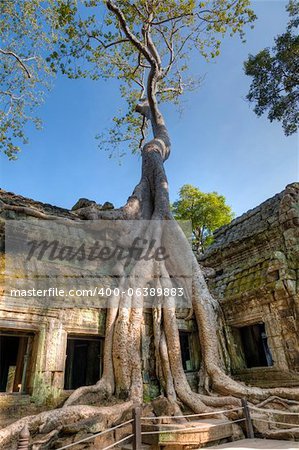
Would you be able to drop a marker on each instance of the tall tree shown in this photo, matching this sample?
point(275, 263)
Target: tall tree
point(206, 211)
point(146, 43)
point(275, 81)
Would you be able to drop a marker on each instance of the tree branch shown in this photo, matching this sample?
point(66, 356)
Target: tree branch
point(142, 130)
point(133, 39)
point(169, 45)
point(181, 16)
point(11, 95)
point(149, 51)
point(154, 72)
point(120, 41)
point(18, 59)
point(146, 31)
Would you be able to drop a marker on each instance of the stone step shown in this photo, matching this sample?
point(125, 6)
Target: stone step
point(14, 399)
point(207, 430)
point(267, 377)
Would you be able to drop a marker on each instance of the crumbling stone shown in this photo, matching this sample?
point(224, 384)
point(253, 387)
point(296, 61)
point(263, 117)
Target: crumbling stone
point(256, 264)
point(83, 203)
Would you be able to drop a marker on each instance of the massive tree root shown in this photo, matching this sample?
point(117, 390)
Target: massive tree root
point(57, 419)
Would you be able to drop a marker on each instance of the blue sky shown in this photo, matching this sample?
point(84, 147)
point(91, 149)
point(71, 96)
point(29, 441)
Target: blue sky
point(218, 144)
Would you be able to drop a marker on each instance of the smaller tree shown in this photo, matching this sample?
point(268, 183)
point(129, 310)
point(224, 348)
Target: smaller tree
point(275, 76)
point(206, 211)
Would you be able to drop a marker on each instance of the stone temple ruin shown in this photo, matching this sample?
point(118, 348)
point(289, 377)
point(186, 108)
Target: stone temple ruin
point(256, 279)
point(252, 268)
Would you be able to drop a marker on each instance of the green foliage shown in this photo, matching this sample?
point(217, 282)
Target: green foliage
point(85, 39)
point(94, 45)
point(275, 76)
point(25, 35)
point(206, 211)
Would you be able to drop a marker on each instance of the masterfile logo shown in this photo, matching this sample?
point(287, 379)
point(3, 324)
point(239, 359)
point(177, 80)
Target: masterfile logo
point(96, 263)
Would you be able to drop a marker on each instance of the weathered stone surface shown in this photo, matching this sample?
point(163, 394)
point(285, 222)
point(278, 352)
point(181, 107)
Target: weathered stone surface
point(18, 200)
point(107, 205)
point(256, 265)
point(83, 203)
point(198, 433)
point(49, 327)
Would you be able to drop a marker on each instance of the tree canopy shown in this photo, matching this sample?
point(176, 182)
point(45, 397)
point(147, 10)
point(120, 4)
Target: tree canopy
point(275, 81)
point(27, 34)
point(206, 211)
point(127, 39)
point(106, 39)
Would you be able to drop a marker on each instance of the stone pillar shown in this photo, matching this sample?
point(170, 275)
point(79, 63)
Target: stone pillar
point(51, 355)
point(275, 340)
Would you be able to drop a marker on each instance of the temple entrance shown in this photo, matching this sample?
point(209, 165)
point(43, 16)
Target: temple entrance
point(189, 351)
point(14, 361)
point(83, 361)
point(255, 345)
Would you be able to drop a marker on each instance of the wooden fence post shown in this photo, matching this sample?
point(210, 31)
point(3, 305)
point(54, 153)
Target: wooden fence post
point(137, 428)
point(24, 438)
point(248, 422)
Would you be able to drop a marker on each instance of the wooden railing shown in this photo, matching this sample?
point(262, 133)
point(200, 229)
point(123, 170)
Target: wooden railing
point(136, 435)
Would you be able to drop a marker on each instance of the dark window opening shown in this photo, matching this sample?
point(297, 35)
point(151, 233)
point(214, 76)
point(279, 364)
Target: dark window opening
point(15, 350)
point(189, 351)
point(83, 361)
point(256, 350)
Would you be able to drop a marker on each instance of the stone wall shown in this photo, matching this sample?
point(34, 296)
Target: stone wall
point(48, 326)
point(50, 323)
point(256, 279)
